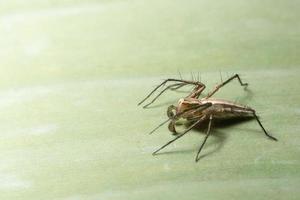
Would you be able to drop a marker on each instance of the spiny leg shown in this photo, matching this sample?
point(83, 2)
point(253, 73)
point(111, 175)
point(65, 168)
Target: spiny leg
point(160, 85)
point(260, 124)
point(207, 134)
point(185, 132)
point(224, 83)
point(183, 82)
point(171, 87)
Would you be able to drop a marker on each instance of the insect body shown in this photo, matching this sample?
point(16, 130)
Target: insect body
point(195, 111)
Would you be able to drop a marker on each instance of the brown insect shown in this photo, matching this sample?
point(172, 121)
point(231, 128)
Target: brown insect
point(195, 111)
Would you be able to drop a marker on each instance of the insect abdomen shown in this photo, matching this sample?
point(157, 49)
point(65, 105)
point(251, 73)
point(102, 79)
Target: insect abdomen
point(225, 109)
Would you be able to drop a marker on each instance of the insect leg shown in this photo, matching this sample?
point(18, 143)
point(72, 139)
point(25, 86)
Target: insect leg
point(224, 83)
point(196, 91)
point(204, 141)
point(171, 87)
point(185, 132)
point(160, 125)
point(260, 124)
point(175, 86)
point(178, 115)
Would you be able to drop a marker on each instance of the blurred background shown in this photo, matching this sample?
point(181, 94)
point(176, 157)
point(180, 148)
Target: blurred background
point(73, 71)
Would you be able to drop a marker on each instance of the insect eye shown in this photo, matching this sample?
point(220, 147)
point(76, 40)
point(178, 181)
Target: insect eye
point(171, 112)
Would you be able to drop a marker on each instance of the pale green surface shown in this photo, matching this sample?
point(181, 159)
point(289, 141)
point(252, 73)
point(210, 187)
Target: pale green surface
point(73, 71)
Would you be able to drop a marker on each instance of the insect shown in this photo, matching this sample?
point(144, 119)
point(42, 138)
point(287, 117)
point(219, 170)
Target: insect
point(195, 110)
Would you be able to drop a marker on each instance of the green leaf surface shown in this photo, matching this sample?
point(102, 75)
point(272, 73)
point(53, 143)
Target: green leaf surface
point(73, 71)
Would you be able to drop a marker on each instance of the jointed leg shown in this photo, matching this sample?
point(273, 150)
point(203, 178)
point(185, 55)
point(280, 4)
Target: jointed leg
point(207, 134)
point(160, 125)
point(196, 91)
point(185, 132)
point(260, 124)
point(171, 87)
point(176, 88)
point(224, 83)
point(180, 83)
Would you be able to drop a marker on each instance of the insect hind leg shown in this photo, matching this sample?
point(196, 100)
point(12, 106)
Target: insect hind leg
point(262, 127)
point(236, 76)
